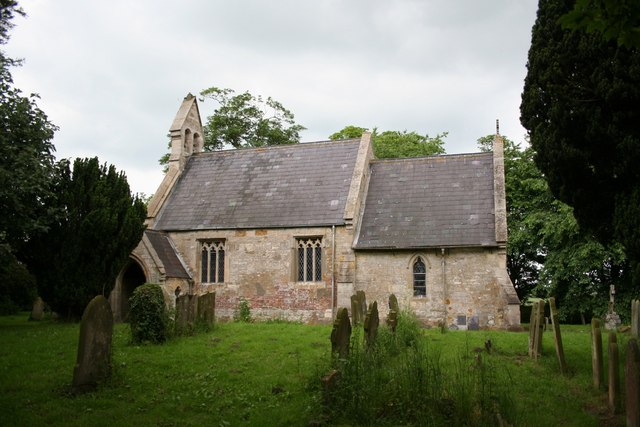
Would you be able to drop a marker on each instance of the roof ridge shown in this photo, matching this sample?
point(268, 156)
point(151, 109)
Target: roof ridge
point(280, 146)
point(434, 156)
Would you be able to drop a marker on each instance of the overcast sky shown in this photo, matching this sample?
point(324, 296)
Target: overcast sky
point(112, 74)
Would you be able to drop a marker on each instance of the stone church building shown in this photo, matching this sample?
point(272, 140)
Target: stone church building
point(295, 230)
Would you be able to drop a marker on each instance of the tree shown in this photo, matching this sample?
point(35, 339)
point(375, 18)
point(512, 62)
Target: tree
point(581, 106)
point(245, 121)
point(547, 253)
point(26, 162)
point(613, 20)
point(26, 150)
point(84, 249)
point(394, 144)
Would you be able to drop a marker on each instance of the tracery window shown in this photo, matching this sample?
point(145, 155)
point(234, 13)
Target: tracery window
point(309, 259)
point(419, 278)
point(212, 263)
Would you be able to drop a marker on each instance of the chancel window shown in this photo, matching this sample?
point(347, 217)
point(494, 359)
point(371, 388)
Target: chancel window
point(212, 263)
point(419, 278)
point(309, 252)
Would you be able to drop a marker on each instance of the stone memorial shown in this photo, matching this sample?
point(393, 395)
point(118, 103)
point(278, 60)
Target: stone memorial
point(557, 337)
point(93, 363)
point(614, 374)
point(632, 383)
point(393, 303)
point(341, 334)
point(596, 354)
point(371, 323)
point(37, 312)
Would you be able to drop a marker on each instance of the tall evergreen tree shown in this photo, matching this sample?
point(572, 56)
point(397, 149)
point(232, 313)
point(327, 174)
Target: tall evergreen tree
point(84, 249)
point(581, 106)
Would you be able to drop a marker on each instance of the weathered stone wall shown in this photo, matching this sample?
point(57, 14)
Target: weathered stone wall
point(260, 266)
point(470, 282)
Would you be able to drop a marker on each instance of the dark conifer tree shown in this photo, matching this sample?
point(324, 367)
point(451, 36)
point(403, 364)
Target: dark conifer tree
point(581, 106)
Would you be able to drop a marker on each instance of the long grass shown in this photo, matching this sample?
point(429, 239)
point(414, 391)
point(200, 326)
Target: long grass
point(267, 374)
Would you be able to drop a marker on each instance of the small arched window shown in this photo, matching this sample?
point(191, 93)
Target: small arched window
point(419, 278)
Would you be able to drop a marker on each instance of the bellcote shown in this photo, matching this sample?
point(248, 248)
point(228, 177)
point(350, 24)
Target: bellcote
point(186, 133)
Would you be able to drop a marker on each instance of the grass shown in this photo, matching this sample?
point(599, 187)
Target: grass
point(264, 374)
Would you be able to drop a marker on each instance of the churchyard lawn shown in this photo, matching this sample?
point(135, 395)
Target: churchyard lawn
point(261, 374)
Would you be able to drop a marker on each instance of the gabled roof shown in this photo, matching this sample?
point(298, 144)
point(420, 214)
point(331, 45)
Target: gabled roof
point(439, 201)
point(295, 185)
point(164, 248)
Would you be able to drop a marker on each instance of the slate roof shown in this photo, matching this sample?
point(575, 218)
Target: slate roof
point(439, 201)
point(286, 186)
point(165, 250)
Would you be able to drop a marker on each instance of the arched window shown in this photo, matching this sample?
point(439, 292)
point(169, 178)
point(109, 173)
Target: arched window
point(419, 278)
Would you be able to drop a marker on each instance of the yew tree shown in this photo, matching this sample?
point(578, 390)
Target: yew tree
point(98, 224)
point(581, 107)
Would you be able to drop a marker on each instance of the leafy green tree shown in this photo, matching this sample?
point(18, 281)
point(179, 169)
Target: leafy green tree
point(547, 253)
point(581, 106)
point(26, 150)
point(244, 121)
point(26, 162)
point(614, 20)
point(394, 144)
point(84, 249)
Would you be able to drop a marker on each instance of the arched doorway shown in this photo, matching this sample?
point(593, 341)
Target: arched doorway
point(130, 278)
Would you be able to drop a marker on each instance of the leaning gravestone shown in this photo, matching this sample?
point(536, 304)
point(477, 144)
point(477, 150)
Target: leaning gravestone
point(93, 363)
point(37, 312)
point(632, 384)
point(341, 334)
point(392, 320)
point(614, 373)
point(557, 338)
point(393, 303)
point(371, 323)
point(596, 354)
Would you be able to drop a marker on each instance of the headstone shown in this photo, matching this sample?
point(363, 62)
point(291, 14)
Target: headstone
point(93, 363)
point(532, 327)
point(371, 323)
point(557, 338)
point(392, 321)
point(207, 308)
point(632, 383)
point(182, 312)
point(596, 354)
point(635, 317)
point(329, 384)
point(355, 310)
point(474, 323)
point(341, 334)
point(362, 304)
point(614, 374)
point(37, 312)
point(393, 303)
point(540, 329)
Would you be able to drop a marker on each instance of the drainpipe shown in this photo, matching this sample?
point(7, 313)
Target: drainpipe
point(444, 286)
point(333, 271)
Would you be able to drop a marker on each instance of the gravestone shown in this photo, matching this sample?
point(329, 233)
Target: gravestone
point(93, 363)
point(632, 383)
point(536, 329)
point(362, 304)
point(37, 312)
point(532, 327)
point(341, 334)
point(596, 354)
point(393, 303)
point(206, 312)
point(474, 323)
point(635, 317)
point(392, 321)
point(371, 323)
point(355, 310)
point(330, 383)
point(614, 374)
point(186, 312)
point(557, 338)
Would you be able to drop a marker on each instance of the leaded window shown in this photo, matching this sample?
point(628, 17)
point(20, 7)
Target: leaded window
point(212, 263)
point(309, 259)
point(419, 278)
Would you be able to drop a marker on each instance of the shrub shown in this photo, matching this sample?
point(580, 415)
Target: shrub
point(17, 285)
point(242, 312)
point(148, 315)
